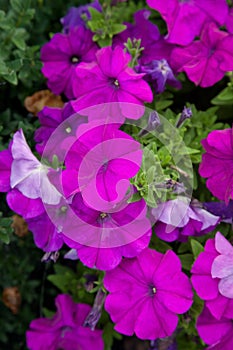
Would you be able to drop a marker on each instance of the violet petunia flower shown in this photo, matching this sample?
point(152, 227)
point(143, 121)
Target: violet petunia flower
point(225, 212)
point(217, 163)
point(218, 334)
point(110, 79)
point(74, 16)
point(101, 239)
point(212, 53)
point(159, 73)
point(46, 236)
point(65, 329)
point(5, 169)
point(155, 47)
point(146, 294)
point(62, 54)
point(177, 220)
point(185, 18)
point(206, 284)
point(28, 175)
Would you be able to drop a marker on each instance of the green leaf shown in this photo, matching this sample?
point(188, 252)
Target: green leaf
point(95, 15)
point(11, 78)
point(186, 261)
point(117, 28)
point(224, 98)
point(197, 248)
point(135, 198)
point(19, 38)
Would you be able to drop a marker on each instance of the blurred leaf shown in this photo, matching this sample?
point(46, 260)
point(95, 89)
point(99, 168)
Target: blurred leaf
point(197, 248)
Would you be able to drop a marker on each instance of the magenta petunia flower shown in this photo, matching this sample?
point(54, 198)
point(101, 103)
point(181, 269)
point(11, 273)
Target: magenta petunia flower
point(65, 329)
point(206, 284)
point(110, 79)
point(185, 18)
point(217, 163)
point(177, 220)
point(5, 169)
point(229, 21)
point(154, 45)
point(216, 333)
point(28, 175)
point(61, 56)
point(101, 239)
point(147, 293)
point(213, 52)
point(104, 158)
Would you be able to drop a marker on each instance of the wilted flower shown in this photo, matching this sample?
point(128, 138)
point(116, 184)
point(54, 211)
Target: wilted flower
point(39, 99)
point(12, 299)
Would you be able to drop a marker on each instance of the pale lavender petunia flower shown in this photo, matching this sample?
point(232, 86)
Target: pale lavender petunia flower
point(217, 163)
point(62, 54)
point(185, 18)
point(65, 329)
point(218, 334)
point(28, 175)
point(176, 220)
point(212, 53)
point(110, 79)
point(207, 285)
point(222, 266)
point(146, 294)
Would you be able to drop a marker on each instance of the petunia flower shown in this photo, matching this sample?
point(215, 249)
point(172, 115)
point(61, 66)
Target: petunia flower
point(185, 18)
point(155, 47)
point(212, 53)
point(28, 175)
point(146, 294)
point(104, 159)
point(176, 220)
point(65, 329)
point(110, 79)
point(217, 163)
point(225, 212)
point(206, 284)
point(50, 119)
point(216, 333)
point(74, 16)
point(159, 73)
point(229, 21)
point(101, 239)
point(62, 55)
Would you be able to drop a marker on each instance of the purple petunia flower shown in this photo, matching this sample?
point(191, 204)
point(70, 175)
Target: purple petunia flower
point(154, 45)
point(62, 55)
point(176, 220)
point(159, 73)
point(213, 52)
point(110, 80)
point(216, 333)
point(5, 169)
point(206, 285)
point(45, 234)
point(73, 18)
point(146, 294)
point(50, 119)
point(217, 163)
point(65, 329)
point(185, 18)
point(225, 212)
point(101, 239)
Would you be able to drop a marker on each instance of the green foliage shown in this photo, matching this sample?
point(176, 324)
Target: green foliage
point(197, 248)
point(225, 97)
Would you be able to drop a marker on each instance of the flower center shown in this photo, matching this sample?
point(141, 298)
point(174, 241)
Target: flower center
point(68, 130)
point(152, 290)
point(74, 59)
point(114, 83)
point(103, 215)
